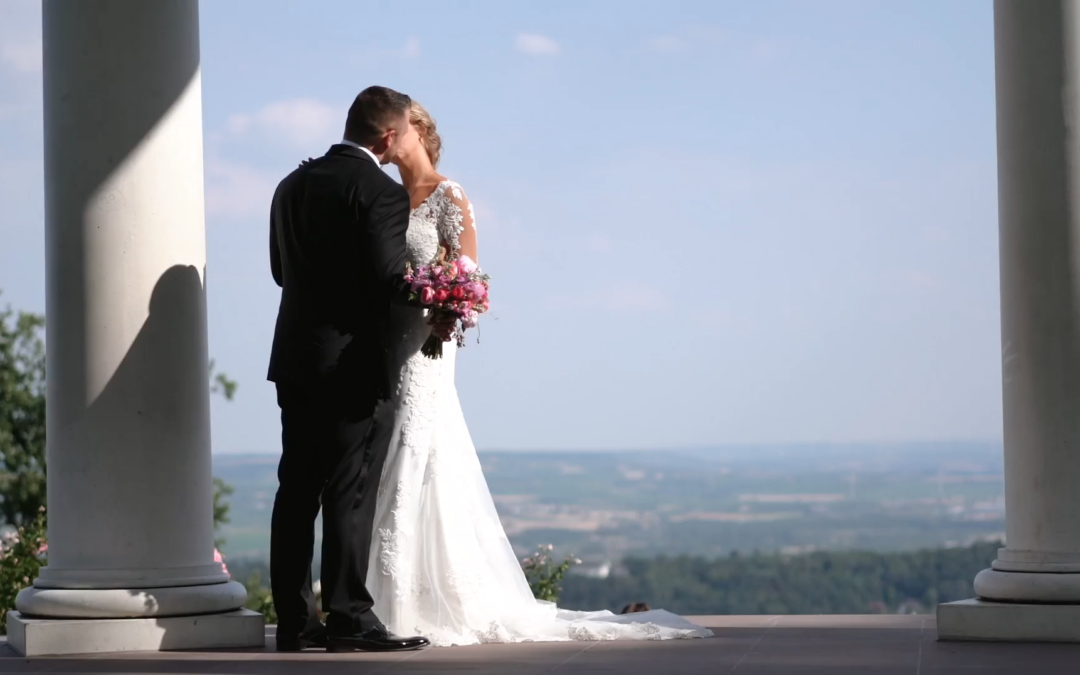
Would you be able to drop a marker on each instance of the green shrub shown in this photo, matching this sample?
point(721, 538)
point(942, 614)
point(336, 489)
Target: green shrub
point(544, 576)
point(22, 554)
point(260, 599)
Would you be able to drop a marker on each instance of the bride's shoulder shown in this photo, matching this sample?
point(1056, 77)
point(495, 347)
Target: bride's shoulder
point(457, 212)
point(454, 196)
point(451, 189)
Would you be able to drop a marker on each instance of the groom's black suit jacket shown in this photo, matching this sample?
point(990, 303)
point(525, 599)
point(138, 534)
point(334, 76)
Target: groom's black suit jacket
point(337, 249)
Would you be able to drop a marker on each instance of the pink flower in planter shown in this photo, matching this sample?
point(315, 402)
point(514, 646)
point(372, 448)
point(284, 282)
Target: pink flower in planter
point(219, 559)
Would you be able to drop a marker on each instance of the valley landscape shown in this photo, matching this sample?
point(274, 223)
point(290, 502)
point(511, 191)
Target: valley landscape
point(604, 507)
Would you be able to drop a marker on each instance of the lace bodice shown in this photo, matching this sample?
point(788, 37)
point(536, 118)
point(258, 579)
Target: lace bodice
point(439, 221)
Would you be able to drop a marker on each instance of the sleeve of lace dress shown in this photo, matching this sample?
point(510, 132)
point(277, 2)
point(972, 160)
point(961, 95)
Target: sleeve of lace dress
point(459, 227)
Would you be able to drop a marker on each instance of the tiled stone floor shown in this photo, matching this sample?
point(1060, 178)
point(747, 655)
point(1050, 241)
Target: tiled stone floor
point(803, 645)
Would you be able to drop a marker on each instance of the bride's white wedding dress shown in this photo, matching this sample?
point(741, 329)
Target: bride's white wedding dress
point(441, 565)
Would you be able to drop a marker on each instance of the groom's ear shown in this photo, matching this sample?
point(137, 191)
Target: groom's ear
point(385, 142)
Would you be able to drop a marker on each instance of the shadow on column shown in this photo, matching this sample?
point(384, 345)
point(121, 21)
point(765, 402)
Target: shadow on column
point(153, 419)
point(103, 95)
point(97, 126)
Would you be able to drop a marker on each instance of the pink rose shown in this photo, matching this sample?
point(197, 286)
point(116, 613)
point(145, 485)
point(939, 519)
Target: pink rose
point(441, 295)
point(465, 264)
point(477, 291)
point(427, 295)
point(458, 293)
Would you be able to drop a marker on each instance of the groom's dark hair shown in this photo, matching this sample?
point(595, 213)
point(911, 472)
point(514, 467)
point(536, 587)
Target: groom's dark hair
point(375, 110)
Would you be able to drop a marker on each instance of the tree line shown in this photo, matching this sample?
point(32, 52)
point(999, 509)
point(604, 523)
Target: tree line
point(826, 582)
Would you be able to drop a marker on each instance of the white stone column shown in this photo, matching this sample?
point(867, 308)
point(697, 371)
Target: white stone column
point(128, 456)
point(1032, 591)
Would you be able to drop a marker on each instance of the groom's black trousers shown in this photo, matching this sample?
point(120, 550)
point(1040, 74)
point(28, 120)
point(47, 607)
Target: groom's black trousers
point(328, 456)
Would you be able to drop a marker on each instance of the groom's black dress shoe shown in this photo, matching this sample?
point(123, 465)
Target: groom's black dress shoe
point(377, 639)
point(301, 642)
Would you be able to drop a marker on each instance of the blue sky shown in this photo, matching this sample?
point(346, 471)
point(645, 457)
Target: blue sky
point(714, 222)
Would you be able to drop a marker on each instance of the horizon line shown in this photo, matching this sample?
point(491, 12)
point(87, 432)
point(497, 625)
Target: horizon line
point(696, 448)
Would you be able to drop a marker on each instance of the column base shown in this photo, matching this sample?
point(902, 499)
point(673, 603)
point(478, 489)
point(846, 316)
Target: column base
point(53, 637)
point(1033, 587)
point(986, 621)
point(70, 603)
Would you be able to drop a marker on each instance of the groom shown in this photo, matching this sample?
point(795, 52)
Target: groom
point(337, 250)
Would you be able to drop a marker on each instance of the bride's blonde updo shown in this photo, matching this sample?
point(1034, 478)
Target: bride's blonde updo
point(429, 136)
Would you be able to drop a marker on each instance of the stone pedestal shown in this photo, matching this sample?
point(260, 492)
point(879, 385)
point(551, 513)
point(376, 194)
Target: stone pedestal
point(1036, 578)
point(54, 637)
point(129, 482)
point(984, 621)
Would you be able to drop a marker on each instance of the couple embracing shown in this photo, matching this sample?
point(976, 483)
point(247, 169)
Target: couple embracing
point(413, 552)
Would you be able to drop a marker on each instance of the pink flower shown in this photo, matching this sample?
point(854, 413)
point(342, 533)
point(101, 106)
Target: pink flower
point(219, 559)
point(441, 295)
point(458, 293)
point(427, 295)
point(470, 318)
point(465, 264)
point(476, 291)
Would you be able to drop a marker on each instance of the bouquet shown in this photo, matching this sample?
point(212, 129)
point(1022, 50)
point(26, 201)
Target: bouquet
point(449, 286)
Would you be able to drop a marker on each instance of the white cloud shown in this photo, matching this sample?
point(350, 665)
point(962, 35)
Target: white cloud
point(536, 45)
point(239, 123)
point(238, 191)
point(300, 123)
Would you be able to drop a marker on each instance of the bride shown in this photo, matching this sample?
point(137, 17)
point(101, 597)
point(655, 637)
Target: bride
point(441, 565)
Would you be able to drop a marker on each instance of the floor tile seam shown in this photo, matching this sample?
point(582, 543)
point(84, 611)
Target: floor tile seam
point(769, 625)
point(572, 657)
